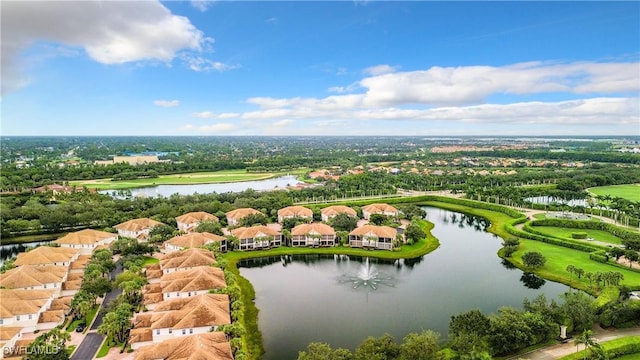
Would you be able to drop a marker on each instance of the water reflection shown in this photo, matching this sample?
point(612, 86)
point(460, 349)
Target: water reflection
point(507, 264)
point(465, 221)
point(12, 250)
point(532, 281)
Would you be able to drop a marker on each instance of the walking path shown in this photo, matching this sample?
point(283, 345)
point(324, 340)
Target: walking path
point(563, 349)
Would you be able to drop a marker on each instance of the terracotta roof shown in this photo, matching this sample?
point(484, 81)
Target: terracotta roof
point(253, 231)
point(208, 346)
point(190, 312)
point(187, 258)
point(194, 217)
point(242, 212)
point(8, 332)
point(85, 237)
point(314, 228)
point(338, 209)
point(299, 211)
point(375, 208)
point(51, 316)
point(153, 271)
point(26, 276)
point(45, 255)
point(199, 278)
point(20, 302)
point(20, 348)
point(379, 231)
point(138, 224)
point(81, 262)
point(140, 335)
point(194, 240)
point(62, 303)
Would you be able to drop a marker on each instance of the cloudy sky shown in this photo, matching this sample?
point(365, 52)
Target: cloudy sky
point(320, 68)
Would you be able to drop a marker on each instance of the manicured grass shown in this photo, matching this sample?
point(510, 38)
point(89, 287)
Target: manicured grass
point(252, 341)
point(628, 191)
point(559, 257)
point(635, 356)
point(148, 260)
point(182, 179)
point(608, 346)
point(104, 349)
point(566, 233)
point(92, 314)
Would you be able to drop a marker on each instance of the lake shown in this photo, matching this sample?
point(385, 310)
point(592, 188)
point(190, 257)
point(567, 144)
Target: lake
point(11, 250)
point(342, 300)
point(190, 189)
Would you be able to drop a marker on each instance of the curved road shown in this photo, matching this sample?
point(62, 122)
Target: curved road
point(92, 341)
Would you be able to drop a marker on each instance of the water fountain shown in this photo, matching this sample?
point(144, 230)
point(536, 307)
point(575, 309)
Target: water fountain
point(367, 277)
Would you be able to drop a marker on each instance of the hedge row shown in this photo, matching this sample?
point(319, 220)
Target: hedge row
point(602, 257)
point(591, 225)
point(476, 204)
point(614, 348)
point(511, 229)
point(530, 229)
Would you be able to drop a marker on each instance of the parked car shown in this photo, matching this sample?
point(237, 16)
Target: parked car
point(81, 327)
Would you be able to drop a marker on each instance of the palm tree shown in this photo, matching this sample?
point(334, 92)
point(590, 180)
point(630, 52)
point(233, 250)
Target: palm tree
point(587, 339)
point(570, 269)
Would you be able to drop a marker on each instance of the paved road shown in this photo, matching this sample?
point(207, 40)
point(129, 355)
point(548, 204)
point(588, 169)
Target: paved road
point(92, 341)
point(560, 350)
point(89, 347)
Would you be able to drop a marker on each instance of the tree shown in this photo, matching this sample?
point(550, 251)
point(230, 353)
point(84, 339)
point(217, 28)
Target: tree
point(95, 285)
point(381, 348)
point(378, 219)
point(571, 269)
point(414, 233)
point(49, 346)
point(253, 219)
point(116, 324)
point(468, 331)
point(587, 339)
point(160, 233)
point(578, 310)
point(632, 256)
point(423, 346)
point(323, 351)
point(533, 260)
point(212, 227)
point(411, 211)
point(344, 222)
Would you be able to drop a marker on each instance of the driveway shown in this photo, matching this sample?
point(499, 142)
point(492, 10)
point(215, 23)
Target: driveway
point(89, 347)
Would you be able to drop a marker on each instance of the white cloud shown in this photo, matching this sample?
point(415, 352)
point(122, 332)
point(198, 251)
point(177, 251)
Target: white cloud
point(217, 128)
point(380, 69)
point(202, 5)
point(166, 103)
point(202, 64)
point(111, 32)
point(283, 123)
point(211, 115)
point(272, 20)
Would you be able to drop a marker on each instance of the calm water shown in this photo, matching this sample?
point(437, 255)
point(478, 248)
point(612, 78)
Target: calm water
point(168, 190)
point(312, 298)
point(12, 250)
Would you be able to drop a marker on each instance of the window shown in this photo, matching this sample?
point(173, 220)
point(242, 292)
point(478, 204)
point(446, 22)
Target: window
point(190, 331)
point(1, 321)
point(45, 286)
point(30, 316)
point(184, 331)
point(170, 331)
point(189, 293)
point(158, 332)
point(18, 317)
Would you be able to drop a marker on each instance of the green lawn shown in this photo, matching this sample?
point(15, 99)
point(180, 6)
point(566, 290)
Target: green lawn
point(628, 191)
point(559, 257)
point(182, 179)
point(92, 314)
point(608, 346)
point(148, 260)
point(599, 235)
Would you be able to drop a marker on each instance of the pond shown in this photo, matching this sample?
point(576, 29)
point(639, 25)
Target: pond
point(190, 189)
point(342, 300)
point(11, 250)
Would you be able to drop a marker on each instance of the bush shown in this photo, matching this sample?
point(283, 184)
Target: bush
point(579, 235)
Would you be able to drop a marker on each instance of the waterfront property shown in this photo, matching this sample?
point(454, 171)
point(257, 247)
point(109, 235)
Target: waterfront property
point(372, 236)
point(196, 281)
point(22, 308)
point(257, 237)
point(194, 240)
point(180, 261)
point(137, 228)
point(86, 240)
point(331, 211)
point(383, 209)
point(234, 216)
point(189, 221)
point(47, 255)
point(209, 346)
point(28, 277)
point(291, 212)
point(315, 234)
point(180, 317)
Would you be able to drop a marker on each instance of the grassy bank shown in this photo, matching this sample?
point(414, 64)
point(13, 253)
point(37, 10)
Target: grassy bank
point(224, 176)
point(253, 338)
point(30, 238)
point(599, 235)
point(627, 191)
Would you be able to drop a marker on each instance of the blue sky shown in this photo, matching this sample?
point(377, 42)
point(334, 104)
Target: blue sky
point(320, 68)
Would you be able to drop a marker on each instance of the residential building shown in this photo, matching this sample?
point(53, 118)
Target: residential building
point(47, 255)
point(194, 240)
point(372, 236)
point(315, 234)
point(188, 222)
point(234, 216)
point(331, 211)
point(209, 346)
point(186, 260)
point(22, 308)
point(257, 237)
point(180, 317)
point(28, 277)
point(9, 338)
point(291, 212)
point(188, 283)
point(383, 209)
point(86, 240)
point(137, 228)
